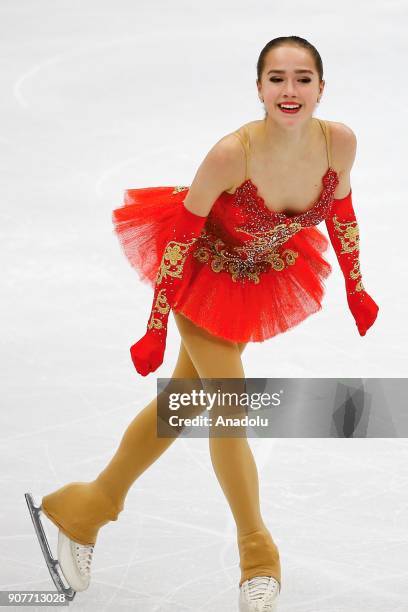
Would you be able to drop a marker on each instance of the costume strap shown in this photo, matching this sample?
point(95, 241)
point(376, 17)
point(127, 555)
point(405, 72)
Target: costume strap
point(326, 131)
point(243, 137)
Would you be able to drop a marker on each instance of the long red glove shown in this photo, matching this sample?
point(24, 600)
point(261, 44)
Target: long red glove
point(148, 353)
point(344, 235)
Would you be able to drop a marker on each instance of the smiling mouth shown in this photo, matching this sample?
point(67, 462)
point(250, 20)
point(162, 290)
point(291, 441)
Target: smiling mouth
point(290, 108)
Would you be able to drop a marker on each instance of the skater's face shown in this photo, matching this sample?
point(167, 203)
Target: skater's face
point(281, 82)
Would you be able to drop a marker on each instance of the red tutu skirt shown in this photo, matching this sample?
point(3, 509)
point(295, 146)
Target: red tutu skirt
point(233, 310)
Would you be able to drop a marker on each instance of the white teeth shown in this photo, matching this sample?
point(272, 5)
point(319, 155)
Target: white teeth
point(290, 106)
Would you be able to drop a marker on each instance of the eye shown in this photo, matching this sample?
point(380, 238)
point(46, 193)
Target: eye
point(302, 80)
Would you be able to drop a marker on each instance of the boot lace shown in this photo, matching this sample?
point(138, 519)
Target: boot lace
point(84, 558)
point(262, 590)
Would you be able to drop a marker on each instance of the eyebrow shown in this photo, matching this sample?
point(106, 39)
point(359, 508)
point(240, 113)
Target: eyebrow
point(283, 71)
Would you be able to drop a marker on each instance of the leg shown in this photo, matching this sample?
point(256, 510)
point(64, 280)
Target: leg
point(232, 458)
point(80, 509)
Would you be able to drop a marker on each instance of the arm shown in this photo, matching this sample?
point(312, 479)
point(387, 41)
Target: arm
point(217, 173)
point(343, 231)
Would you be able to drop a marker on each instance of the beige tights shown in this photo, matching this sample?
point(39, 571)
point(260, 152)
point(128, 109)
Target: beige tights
point(80, 509)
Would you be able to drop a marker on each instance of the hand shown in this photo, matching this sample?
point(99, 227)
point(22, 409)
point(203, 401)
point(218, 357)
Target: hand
point(148, 353)
point(364, 310)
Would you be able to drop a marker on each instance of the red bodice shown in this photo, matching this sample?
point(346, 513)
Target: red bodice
point(251, 274)
point(243, 237)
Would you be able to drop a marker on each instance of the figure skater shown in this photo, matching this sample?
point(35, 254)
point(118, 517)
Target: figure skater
point(237, 257)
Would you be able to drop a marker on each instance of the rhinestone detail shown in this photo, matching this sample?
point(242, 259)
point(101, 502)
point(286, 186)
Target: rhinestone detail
point(253, 245)
point(246, 195)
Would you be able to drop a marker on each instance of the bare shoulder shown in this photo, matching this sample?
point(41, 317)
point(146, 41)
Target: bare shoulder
point(343, 145)
point(228, 149)
point(218, 172)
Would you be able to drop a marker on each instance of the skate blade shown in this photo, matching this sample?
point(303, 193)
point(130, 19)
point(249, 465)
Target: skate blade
point(52, 563)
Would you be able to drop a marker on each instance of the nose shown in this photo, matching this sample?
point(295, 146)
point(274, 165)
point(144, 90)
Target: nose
point(289, 88)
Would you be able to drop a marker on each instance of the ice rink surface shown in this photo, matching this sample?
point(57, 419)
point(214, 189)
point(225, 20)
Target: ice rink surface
point(99, 97)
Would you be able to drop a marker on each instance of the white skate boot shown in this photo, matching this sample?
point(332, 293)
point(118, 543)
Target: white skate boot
point(75, 562)
point(259, 594)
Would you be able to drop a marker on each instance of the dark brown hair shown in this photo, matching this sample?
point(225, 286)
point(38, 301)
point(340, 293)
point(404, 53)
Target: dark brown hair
point(289, 40)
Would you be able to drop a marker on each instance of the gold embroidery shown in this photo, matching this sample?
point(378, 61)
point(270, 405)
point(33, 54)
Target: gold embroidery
point(272, 238)
point(179, 188)
point(355, 274)
point(161, 305)
point(348, 233)
point(173, 256)
point(259, 255)
point(171, 264)
point(221, 259)
point(290, 256)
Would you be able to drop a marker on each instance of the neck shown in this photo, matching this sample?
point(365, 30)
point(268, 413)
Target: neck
point(288, 140)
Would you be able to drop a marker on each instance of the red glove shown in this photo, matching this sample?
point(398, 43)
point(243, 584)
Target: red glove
point(148, 353)
point(344, 236)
